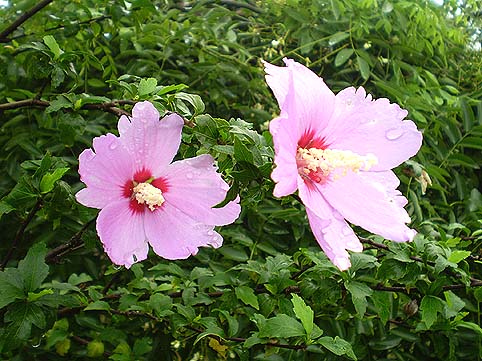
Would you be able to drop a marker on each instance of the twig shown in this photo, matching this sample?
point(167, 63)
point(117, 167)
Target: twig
point(61, 26)
point(72, 244)
point(20, 233)
point(109, 107)
point(21, 19)
point(85, 342)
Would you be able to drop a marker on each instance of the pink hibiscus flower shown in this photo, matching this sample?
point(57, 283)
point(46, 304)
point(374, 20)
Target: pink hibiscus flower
point(146, 199)
point(338, 151)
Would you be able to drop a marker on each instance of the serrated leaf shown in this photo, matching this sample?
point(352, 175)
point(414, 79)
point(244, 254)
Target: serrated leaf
point(33, 267)
point(147, 86)
point(11, 286)
point(338, 346)
point(430, 306)
point(342, 56)
point(303, 312)
point(48, 180)
point(281, 326)
point(246, 294)
point(359, 293)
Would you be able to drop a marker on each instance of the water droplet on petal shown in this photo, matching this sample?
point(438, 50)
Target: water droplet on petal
point(210, 233)
point(113, 145)
point(394, 133)
point(189, 175)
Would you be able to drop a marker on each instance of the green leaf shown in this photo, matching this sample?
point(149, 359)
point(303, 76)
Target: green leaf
point(364, 67)
point(246, 294)
point(59, 103)
point(242, 152)
point(11, 286)
point(303, 312)
point(48, 180)
point(342, 56)
point(147, 86)
point(359, 293)
point(26, 313)
point(430, 306)
point(98, 306)
point(33, 267)
point(457, 256)
point(336, 38)
point(338, 346)
point(50, 41)
point(281, 326)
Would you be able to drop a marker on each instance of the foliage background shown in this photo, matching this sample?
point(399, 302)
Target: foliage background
point(269, 293)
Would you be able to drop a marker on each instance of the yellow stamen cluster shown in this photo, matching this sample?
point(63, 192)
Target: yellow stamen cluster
point(146, 193)
point(325, 162)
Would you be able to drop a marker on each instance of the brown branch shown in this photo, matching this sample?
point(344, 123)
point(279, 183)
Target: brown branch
point(21, 19)
point(109, 107)
point(61, 26)
point(20, 233)
point(74, 243)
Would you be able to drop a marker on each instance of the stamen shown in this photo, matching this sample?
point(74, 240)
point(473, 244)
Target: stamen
point(146, 193)
point(319, 164)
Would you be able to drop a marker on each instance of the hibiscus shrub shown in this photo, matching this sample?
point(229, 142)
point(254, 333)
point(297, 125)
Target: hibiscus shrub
point(111, 82)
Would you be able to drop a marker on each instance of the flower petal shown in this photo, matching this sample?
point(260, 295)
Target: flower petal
point(286, 172)
point(368, 200)
point(194, 187)
point(121, 231)
point(174, 235)
point(365, 126)
point(303, 96)
point(153, 143)
point(334, 236)
point(104, 171)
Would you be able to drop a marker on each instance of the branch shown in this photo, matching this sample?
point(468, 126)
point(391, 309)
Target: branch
point(61, 26)
point(74, 243)
point(20, 233)
point(21, 19)
point(109, 107)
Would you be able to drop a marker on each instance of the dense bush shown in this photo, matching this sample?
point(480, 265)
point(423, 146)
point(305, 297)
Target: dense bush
point(73, 67)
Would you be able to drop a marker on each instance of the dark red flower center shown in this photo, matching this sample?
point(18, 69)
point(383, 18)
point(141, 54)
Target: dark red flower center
point(145, 191)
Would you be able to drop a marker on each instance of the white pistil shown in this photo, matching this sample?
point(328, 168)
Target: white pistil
point(146, 193)
point(325, 162)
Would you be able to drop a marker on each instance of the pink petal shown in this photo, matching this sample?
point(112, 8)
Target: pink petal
point(122, 233)
point(368, 200)
point(335, 237)
point(329, 227)
point(365, 126)
point(302, 96)
point(195, 187)
point(174, 235)
point(153, 143)
point(286, 172)
point(104, 171)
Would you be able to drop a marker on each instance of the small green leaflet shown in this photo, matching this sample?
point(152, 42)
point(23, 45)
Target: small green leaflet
point(304, 313)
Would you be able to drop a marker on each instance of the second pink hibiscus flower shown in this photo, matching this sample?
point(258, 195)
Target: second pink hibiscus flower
point(146, 200)
point(338, 152)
